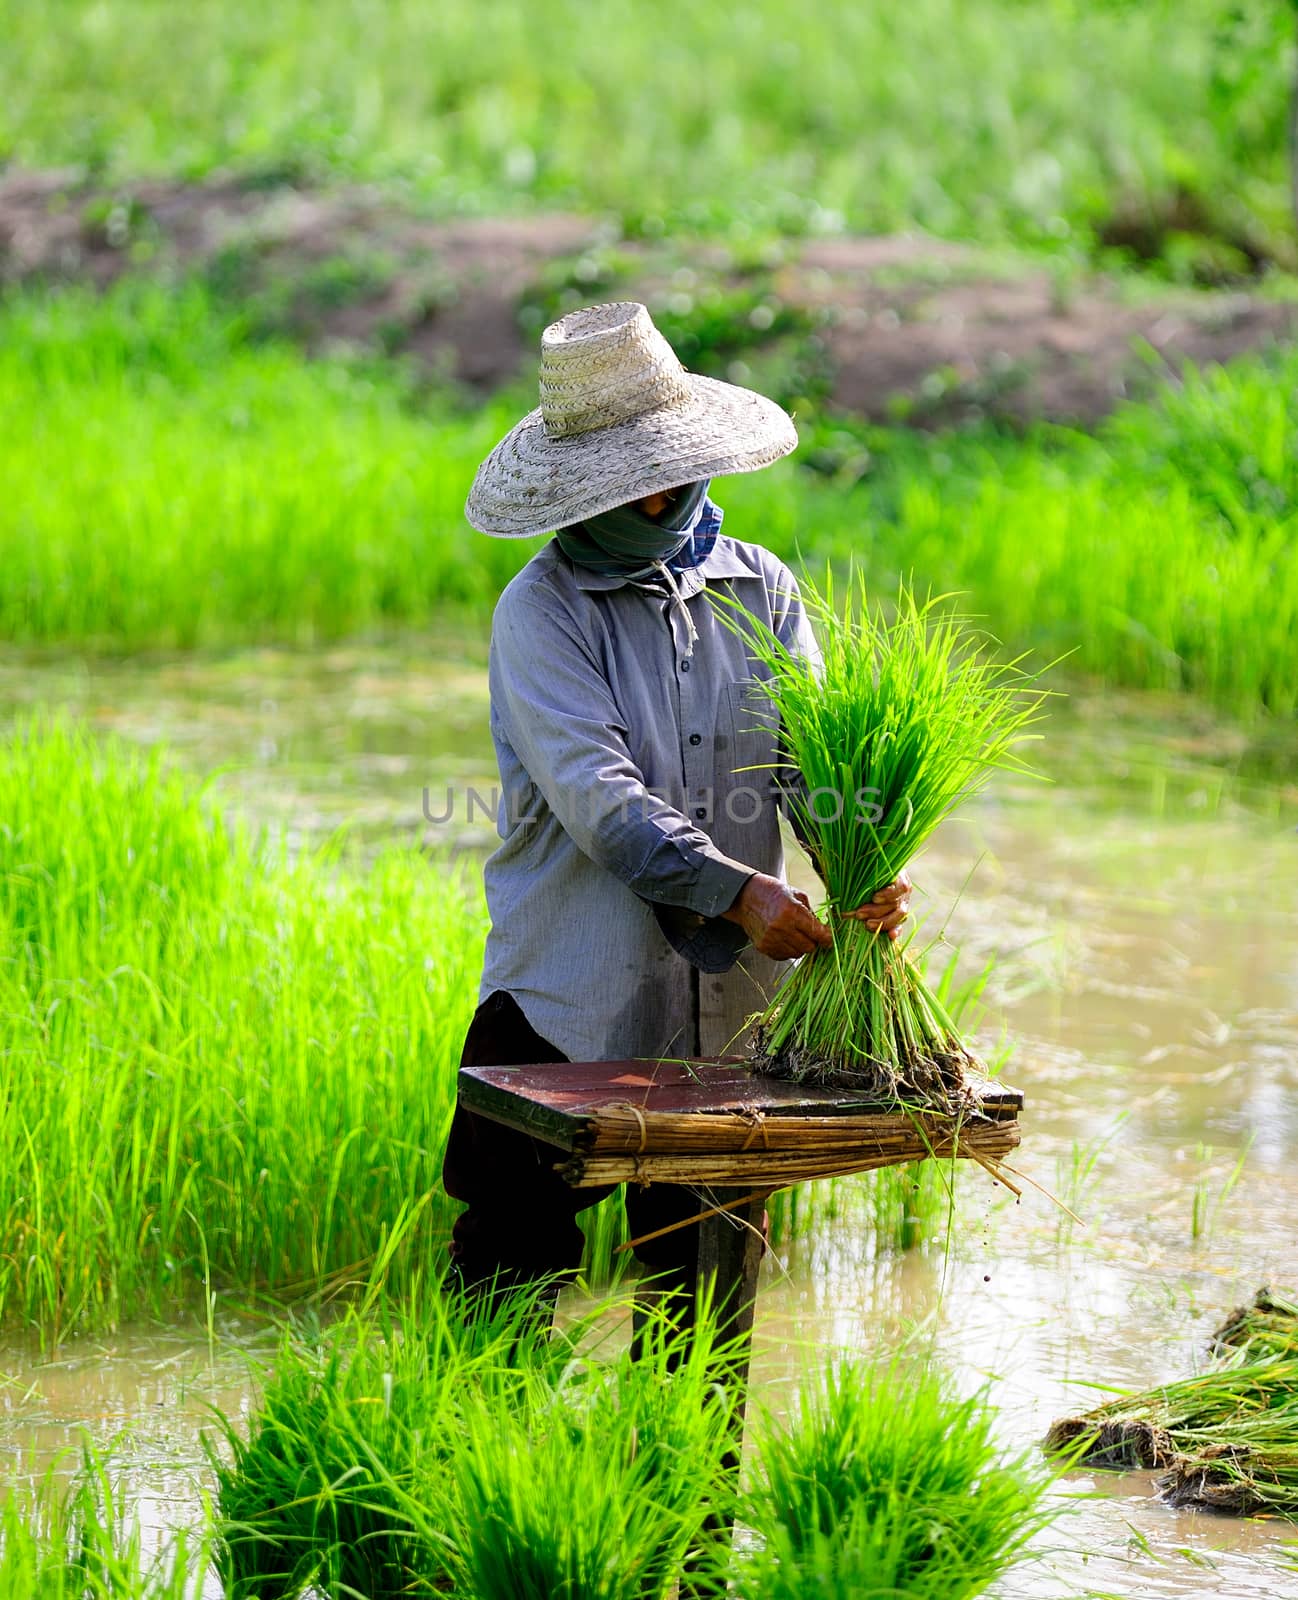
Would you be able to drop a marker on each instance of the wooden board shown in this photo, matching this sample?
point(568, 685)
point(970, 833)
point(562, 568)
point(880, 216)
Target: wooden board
point(558, 1102)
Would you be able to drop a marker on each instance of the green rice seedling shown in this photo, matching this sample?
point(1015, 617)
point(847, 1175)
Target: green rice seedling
point(1211, 1192)
point(1251, 1470)
point(298, 1503)
point(1228, 435)
point(1266, 1326)
point(895, 726)
point(1152, 1427)
point(884, 1482)
point(223, 1069)
point(61, 1541)
point(1076, 1175)
point(898, 1208)
point(907, 1205)
point(174, 484)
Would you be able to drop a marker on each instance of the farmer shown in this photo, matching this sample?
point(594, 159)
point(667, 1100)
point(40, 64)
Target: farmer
point(638, 903)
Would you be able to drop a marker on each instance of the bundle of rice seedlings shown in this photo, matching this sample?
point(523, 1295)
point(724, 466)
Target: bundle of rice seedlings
point(898, 724)
point(601, 1487)
point(412, 1454)
point(1251, 1474)
point(1225, 1439)
point(314, 1490)
point(1266, 1326)
point(1152, 1427)
point(886, 1483)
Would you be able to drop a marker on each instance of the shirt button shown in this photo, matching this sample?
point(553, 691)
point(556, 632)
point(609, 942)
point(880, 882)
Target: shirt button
point(701, 813)
point(696, 738)
point(685, 666)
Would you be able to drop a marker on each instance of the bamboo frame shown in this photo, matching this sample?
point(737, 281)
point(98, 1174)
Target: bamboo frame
point(697, 1158)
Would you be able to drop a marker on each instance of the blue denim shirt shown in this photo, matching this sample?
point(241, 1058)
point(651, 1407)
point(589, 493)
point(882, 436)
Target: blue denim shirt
point(628, 822)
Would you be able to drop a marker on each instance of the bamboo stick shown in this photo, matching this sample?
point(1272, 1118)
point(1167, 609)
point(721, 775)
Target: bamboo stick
point(689, 1222)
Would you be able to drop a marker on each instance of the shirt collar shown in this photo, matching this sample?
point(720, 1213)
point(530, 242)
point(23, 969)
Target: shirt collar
point(724, 560)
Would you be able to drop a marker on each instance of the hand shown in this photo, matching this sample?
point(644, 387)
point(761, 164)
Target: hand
point(888, 909)
point(778, 920)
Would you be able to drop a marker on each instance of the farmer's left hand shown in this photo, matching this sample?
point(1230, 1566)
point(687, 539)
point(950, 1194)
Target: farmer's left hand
point(888, 908)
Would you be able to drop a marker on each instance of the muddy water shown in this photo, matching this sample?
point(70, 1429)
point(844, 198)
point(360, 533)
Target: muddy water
point(1142, 914)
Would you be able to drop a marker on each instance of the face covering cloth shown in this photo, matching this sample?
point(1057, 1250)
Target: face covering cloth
point(624, 543)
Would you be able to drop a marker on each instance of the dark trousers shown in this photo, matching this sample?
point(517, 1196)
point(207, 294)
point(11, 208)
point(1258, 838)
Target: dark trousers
point(520, 1227)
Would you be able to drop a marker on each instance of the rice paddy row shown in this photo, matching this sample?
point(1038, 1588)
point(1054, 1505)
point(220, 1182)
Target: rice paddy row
point(170, 484)
point(1160, 126)
point(221, 1071)
point(400, 1454)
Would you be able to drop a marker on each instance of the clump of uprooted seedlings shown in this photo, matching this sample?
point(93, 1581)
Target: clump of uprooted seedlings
point(896, 725)
point(1226, 1439)
point(884, 1482)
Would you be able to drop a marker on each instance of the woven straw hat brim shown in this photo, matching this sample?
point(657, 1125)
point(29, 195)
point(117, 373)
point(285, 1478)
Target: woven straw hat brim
point(532, 484)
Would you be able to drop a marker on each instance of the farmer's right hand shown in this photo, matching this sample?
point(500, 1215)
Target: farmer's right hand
point(778, 920)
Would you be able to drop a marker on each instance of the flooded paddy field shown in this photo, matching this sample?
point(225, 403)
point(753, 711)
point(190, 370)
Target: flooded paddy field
point(1141, 913)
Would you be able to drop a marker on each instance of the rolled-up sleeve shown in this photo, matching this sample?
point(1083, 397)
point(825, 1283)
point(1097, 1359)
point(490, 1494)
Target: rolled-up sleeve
point(559, 715)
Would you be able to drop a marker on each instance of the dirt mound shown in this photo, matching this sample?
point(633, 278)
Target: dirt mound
point(343, 266)
point(904, 328)
point(956, 336)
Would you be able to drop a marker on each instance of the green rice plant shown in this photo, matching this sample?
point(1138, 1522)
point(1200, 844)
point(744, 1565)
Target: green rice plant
point(894, 726)
point(1212, 1190)
point(1152, 1427)
point(1249, 1469)
point(224, 1069)
point(907, 1205)
point(1228, 435)
point(884, 1482)
point(1226, 1438)
point(605, 1228)
point(1076, 1175)
point(171, 483)
point(76, 1541)
point(1266, 1326)
point(895, 1208)
point(417, 1453)
point(1097, 549)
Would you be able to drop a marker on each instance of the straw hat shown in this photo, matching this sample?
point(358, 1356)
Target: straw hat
point(619, 419)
